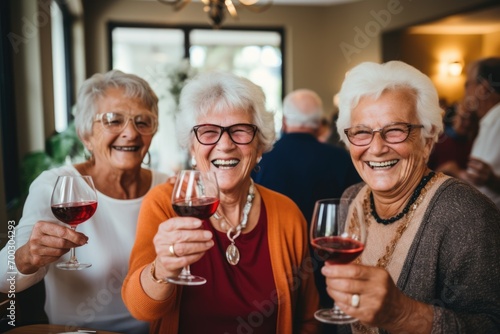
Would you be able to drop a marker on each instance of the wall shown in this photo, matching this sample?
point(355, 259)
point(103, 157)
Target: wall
point(491, 44)
point(361, 26)
point(431, 53)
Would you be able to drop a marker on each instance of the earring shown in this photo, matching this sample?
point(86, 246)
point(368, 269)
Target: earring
point(88, 154)
point(148, 155)
point(193, 162)
point(256, 169)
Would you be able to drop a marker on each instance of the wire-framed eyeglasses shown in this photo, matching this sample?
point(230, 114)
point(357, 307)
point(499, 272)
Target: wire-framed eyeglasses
point(393, 133)
point(115, 122)
point(210, 134)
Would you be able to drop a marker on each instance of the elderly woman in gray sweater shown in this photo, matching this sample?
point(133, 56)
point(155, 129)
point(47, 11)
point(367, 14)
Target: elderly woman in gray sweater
point(430, 264)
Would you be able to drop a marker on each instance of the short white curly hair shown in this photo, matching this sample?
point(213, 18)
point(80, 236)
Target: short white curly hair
point(373, 79)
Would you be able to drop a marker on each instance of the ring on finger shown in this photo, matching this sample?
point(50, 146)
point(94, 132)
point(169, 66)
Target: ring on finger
point(355, 300)
point(172, 250)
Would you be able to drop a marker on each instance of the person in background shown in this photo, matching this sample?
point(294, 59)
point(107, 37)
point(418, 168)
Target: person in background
point(116, 119)
point(432, 249)
point(325, 129)
point(451, 152)
point(482, 93)
point(302, 167)
point(223, 123)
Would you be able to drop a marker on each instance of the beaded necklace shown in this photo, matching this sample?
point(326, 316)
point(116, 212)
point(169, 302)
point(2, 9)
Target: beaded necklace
point(412, 200)
point(386, 258)
point(232, 252)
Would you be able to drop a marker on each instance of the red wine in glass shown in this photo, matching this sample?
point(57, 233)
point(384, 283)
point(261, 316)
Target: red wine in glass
point(338, 236)
point(337, 250)
point(195, 194)
point(74, 213)
point(202, 208)
point(73, 201)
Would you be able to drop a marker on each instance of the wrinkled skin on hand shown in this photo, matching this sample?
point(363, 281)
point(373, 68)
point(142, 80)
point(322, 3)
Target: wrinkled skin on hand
point(381, 304)
point(47, 243)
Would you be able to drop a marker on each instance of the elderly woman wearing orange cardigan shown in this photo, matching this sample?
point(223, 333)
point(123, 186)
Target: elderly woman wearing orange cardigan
point(269, 288)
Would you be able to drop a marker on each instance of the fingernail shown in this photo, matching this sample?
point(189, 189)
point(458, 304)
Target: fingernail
point(207, 234)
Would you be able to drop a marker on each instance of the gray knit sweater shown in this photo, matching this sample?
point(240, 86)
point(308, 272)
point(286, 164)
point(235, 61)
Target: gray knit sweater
point(454, 260)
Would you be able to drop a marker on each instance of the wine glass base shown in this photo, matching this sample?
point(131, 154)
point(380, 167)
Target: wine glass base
point(187, 280)
point(334, 316)
point(73, 266)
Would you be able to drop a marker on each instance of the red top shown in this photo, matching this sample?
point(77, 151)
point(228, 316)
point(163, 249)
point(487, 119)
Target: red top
point(232, 301)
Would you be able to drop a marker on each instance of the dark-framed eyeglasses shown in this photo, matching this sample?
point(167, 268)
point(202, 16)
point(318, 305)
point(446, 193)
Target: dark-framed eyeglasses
point(116, 121)
point(393, 133)
point(210, 134)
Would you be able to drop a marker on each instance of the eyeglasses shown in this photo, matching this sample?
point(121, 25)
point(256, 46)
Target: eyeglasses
point(210, 134)
point(394, 133)
point(115, 122)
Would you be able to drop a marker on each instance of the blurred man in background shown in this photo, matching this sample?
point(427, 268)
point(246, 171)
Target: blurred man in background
point(302, 167)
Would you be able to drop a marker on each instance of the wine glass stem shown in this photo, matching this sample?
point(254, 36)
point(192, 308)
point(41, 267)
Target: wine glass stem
point(337, 310)
point(72, 252)
point(186, 271)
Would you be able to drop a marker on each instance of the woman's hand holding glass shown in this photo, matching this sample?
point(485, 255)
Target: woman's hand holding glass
point(73, 201)
point(338, 236)
point(380, 303)
point(180, 241)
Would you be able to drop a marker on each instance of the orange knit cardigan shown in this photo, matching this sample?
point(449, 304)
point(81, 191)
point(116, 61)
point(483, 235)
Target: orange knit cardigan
point(297, 297)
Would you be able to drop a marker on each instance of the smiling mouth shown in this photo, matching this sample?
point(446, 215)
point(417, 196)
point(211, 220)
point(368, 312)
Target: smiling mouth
point(126, 148)
point(225, 164)
point(382, 164)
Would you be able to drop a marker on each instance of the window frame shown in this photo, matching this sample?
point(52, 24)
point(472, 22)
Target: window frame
point(8, 120)
point(68, 57)
point(187, 44)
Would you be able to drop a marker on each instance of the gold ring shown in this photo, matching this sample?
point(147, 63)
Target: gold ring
point(172, 250)
point(355, 300)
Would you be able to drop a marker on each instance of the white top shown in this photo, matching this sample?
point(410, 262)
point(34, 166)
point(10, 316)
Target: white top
point(90, 297)
point(487, 147)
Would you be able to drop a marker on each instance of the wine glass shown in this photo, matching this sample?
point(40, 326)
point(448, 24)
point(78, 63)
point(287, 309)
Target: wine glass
point(338, 236)
point(73, 201)
point(195, 194)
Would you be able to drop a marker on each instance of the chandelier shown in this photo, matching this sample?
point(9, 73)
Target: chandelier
point(216, 8)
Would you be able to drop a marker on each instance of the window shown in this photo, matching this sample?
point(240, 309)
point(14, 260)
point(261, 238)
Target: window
point(164, 56)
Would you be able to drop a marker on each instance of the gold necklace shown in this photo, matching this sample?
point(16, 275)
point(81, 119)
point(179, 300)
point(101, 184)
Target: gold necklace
point(233, 232)
point(385, 259)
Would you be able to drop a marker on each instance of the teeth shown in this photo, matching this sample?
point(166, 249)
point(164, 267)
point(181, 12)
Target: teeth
point(225, 163)
point(126, 148)
point(382, 164)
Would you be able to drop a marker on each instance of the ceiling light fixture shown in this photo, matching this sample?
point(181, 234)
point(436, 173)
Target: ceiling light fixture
point(216, 8)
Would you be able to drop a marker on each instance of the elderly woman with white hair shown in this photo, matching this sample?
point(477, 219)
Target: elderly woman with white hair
point(430, 264)
point(270, 288)
point(116, 118)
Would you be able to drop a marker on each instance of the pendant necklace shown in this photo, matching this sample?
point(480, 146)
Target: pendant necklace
point(232, 252)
